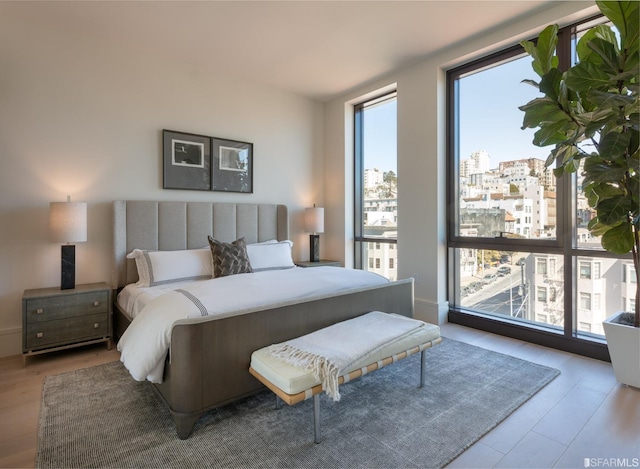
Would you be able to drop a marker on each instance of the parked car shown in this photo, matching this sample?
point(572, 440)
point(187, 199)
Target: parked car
point(504, 270)
point(490, 278)
point(521, 261)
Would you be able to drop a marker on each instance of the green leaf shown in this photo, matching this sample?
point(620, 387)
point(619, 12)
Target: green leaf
point(550, 83)
point(600, 115)
point(634, 144)
point(596, 228)
point(550, 159)
point(542, 110)
point(597, 170)
point(598, 192)
point(603, 173)
point(571, 166)
point(614, 144)
point(625, 77)
point(563, 95)
point(559, 171)
point(632, 62)
point(530, 48)
point(556, 154)
point(569, 154)
point(599, 45)
point(543, 52)
point(547, 41)
point(626, 18)
point(590, 194)
point(614, 210)
point(587, 75)
point(609, 100)
point(618, 239)
point(533, 83)
point(552, 134)
point(604, 31)
point(608, 53)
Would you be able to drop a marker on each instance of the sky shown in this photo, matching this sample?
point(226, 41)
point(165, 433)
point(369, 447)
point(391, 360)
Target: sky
point(381, 136)
point(489, 119)
point(489, 116)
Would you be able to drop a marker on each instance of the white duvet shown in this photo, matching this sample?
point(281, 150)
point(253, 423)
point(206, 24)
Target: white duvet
point(145, 343)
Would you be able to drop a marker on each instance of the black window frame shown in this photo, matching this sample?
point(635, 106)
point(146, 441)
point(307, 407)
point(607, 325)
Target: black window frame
point(565, 246)
point(359, 239)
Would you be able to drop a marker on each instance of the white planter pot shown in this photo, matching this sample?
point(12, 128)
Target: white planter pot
point(624, 347)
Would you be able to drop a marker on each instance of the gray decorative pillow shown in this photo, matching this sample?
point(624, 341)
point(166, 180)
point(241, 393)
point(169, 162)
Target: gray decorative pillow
point(229, 258)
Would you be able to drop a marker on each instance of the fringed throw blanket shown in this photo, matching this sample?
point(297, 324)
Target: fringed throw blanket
point(330, 352)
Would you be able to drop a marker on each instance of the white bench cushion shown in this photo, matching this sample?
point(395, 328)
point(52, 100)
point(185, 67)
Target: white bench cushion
point(293, 379)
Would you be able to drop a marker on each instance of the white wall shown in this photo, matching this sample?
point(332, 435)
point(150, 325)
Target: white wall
point(421, 158)
point(82, 118)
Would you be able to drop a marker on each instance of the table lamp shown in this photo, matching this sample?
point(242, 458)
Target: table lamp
point(68, 222)
point(314, 223)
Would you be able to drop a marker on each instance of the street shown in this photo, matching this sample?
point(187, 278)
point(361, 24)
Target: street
point(500, 297)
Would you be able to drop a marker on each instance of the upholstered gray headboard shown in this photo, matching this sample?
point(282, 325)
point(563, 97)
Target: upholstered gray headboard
point(167, 226)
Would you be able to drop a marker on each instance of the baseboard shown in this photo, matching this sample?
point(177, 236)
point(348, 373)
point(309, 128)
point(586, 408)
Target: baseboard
point(10, 341)
point(428, 311)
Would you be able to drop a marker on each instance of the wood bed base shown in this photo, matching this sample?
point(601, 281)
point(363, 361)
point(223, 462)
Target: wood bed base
point(210, 358)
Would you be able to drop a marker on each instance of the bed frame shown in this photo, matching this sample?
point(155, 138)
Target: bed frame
point(209, 358)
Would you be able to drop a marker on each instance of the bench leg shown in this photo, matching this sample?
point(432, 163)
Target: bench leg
point(423, 362)
point(316, 418)
point(278, 402)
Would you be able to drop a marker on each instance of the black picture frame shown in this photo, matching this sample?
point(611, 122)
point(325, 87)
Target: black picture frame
point(231, 165)
point(186, 161)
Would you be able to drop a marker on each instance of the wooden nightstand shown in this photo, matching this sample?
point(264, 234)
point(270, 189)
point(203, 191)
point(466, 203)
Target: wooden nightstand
point(320, 263)
point(54, 319)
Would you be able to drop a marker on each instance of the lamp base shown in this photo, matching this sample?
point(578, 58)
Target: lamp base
point(68, 267)
point(314, 248)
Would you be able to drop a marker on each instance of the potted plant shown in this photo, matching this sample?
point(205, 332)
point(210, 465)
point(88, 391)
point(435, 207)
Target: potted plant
point(590, 113)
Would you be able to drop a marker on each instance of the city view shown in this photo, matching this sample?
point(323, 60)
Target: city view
point(517, 199)
point(380, 219)
point(500, 195)
point(380, 187)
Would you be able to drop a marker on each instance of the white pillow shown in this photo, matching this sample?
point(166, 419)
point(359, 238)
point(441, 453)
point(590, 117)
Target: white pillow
point(271, 241)
point(270, 255)
point(158, 267)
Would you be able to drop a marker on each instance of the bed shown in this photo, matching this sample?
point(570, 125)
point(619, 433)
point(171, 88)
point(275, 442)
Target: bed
point(208, 360)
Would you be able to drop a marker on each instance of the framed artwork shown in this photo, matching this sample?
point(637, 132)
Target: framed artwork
point(231, 165)
point(186, 161)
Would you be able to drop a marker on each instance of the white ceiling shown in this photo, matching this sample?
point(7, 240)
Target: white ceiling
point(317, 49)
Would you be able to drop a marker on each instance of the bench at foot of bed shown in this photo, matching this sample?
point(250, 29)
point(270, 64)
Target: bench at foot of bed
point(293, 384)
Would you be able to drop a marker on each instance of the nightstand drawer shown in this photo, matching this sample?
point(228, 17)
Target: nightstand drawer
point(48, 309)
point(65, 331)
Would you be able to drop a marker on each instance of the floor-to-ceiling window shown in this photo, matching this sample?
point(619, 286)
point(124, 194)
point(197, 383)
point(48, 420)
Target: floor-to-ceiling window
point(376, 186)
point(521, 260)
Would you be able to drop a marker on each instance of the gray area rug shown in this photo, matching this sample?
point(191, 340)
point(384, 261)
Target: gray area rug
point(101, 417)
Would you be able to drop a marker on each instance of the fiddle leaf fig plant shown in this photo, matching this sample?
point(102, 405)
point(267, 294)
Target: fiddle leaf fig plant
point(590, 113)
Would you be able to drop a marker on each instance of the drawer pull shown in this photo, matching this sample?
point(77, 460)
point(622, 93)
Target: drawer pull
point(96, 325)
point(96, 303)
point(39, 311)
point(39, 335)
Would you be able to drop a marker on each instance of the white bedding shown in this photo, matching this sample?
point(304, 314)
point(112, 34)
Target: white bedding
point(132, 299)
point(145, 343)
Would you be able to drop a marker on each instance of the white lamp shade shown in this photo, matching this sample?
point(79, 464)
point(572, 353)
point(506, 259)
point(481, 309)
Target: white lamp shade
point(68, 222)
point(314, 220)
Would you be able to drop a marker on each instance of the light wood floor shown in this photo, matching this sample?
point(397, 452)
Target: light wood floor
point(582, 414)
